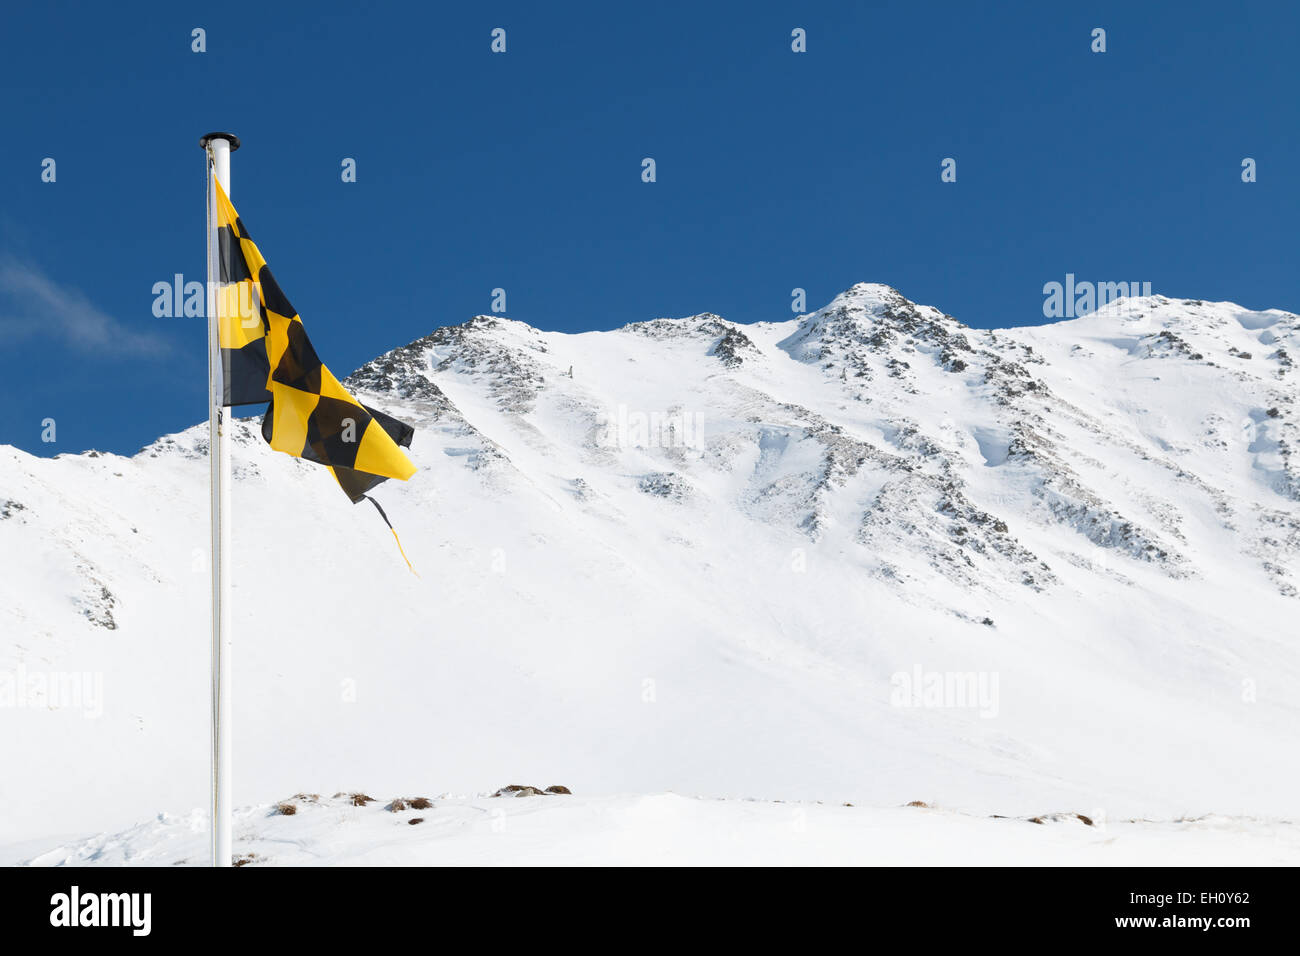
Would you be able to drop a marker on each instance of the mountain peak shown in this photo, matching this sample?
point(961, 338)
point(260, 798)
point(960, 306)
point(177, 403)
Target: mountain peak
point(1083, 508)
point(869, 295)
point(873, 316)
point(874, 299)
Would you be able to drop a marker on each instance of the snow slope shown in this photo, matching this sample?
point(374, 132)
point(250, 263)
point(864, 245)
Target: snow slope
point(670, 830)
point(698, 565)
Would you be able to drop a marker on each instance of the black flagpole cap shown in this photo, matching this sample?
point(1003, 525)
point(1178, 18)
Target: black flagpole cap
point(230, 138)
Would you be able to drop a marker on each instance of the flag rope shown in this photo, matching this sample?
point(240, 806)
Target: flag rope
point(395, 537)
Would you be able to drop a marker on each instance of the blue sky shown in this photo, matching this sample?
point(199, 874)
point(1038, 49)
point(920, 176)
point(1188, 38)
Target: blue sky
point(522, 170)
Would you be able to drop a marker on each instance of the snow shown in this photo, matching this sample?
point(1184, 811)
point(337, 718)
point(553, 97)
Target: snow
point(672, 830)
point(873, 482)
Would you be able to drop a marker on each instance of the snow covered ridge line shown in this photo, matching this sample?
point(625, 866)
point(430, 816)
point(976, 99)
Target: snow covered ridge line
point(670, 829)
point(1102, 513)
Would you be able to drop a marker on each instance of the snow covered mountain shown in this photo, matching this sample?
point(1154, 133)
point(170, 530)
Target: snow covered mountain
point(719, 559)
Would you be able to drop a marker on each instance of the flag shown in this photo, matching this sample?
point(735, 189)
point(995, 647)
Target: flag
point(267, 357)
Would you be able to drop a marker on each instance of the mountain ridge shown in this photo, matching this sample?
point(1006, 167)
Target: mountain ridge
point(644, 548)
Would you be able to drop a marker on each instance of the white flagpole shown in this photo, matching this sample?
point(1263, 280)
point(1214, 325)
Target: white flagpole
point(218, 147)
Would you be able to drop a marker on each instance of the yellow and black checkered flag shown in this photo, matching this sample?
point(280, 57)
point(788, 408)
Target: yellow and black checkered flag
point(267, 357)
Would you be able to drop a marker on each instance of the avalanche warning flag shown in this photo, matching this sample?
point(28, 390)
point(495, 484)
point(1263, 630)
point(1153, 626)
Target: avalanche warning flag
point(267, 357)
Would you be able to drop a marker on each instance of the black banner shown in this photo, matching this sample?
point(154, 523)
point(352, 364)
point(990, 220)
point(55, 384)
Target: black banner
point(1170, 907)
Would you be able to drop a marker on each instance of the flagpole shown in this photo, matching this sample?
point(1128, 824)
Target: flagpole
point(218, 147)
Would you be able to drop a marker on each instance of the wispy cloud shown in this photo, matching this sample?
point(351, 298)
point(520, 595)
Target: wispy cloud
point(34, 306)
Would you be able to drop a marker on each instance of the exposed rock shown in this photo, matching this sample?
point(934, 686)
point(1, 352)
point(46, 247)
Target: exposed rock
point(519, 790)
